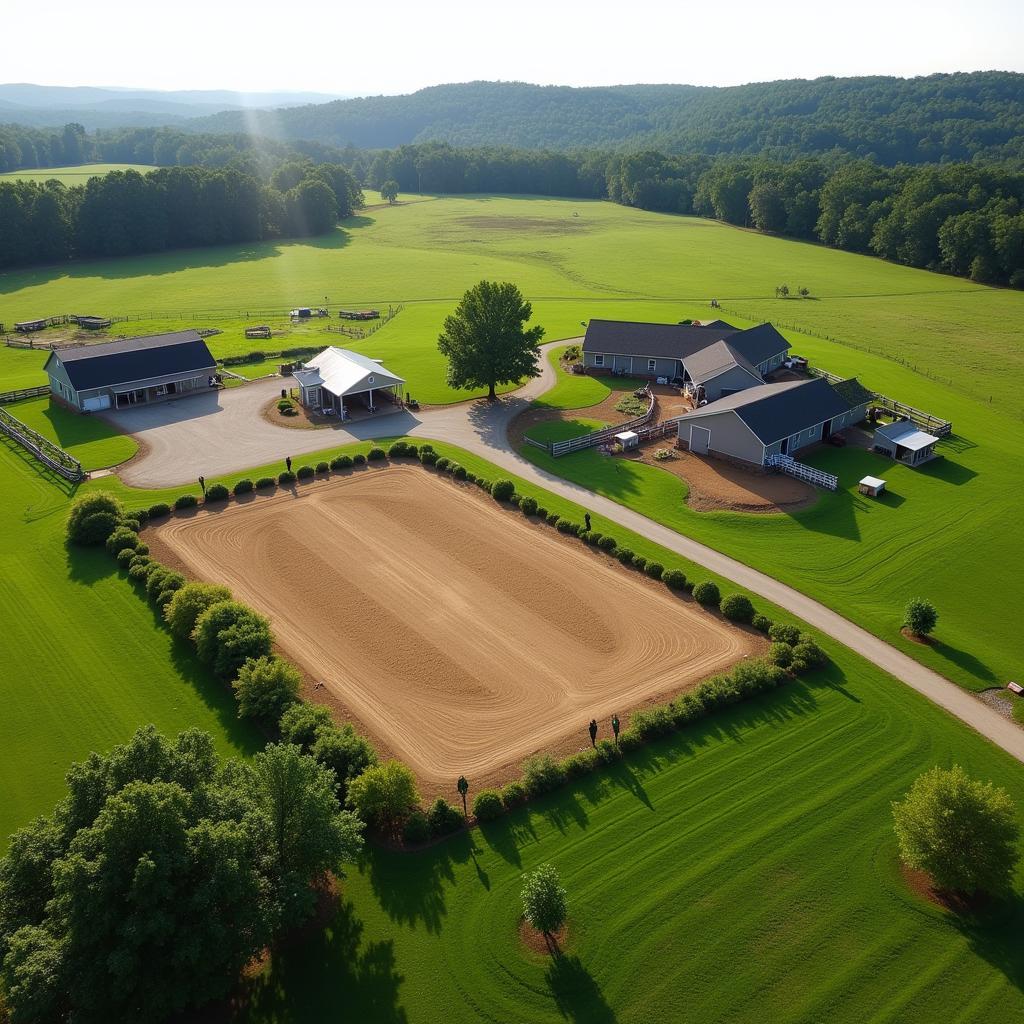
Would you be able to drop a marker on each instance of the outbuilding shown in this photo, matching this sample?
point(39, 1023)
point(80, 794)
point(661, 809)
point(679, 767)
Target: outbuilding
point(903, 442)
point(338, 381)
point(136, 371)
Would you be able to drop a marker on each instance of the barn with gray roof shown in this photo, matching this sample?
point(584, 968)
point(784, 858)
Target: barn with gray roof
point(137, 371)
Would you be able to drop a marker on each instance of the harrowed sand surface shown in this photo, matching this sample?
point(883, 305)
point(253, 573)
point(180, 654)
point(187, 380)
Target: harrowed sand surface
point(464, 636)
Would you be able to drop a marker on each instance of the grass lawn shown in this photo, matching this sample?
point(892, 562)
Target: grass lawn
point(563, 430)
point(76, 175)
point(760, 839)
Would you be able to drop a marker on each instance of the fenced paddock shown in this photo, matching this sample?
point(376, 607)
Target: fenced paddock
point(597, 437)
point(800, 471)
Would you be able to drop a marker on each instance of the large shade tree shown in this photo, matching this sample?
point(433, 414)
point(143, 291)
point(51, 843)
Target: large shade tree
point(486, 340)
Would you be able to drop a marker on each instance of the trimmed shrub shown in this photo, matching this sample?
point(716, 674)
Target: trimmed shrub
point(807, 655)
point(121, 539)
point(513, 795)
point(216, 492)
point(322, 468)
point(244, 486)
point(639, 562)
point(528, 506)
point(93, 518)
point(265, 686)
point(265, 482)
point(444, 818)
point(159, 510)
point(141, 516)
point(304, 473)
point(141, 549)
point(780, 654)
point(412, 450)
point(416, 829)
point(341, 462)
point(487, 805)
point(502, 490)
point(594, 538)
point(184, 501)
point(624, 555)
point(428, 447)
point(484, 484)
point(124, 557)
point(607, 752)
point(761, 623)
point(285, 478)
point(707, 594)
point(443, 464)
point(397, 450)
point(541, 774)
point(784, 633)
point(655, 570)
point(674, 579)
point(130, 523)
point(302, 724)
point(564, 526)
point(385, 794)
point(428, 456)
point(359, 460)
point(344, 751)
point(162, 584)
point(553, 518)
point(471, 478)
point(738, 608)
point(630, 739)
point(651, 722)
point(457, 471)
point(577, 765)
point(376, 454)
point(140, 567)
point(607, 543)
point(228, 634)
point(189, 602)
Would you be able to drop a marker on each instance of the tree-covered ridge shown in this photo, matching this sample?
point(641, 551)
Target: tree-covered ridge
point(892, 120)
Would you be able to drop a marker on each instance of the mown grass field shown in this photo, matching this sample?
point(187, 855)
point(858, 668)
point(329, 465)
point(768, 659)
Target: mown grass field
point(78, 174)
point(743, 870)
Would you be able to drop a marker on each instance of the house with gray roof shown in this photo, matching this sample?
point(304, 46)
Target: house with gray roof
point(769, 419)
point(680, 351)
point(136, 371)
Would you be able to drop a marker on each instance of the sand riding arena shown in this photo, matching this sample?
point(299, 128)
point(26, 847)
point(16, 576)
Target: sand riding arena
point(461, 635)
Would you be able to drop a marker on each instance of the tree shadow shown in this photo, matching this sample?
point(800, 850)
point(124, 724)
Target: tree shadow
point(333, 975)
point(962, 659)
point(506, 834)
point(994, 934)
point(37, 468)
point(947, 471)
point(577, 995)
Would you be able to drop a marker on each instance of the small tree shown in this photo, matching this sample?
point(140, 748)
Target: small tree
point(228, 633)
point(93, 518)
point(486, 341)
point(544, 899)
point(189, 602)
point(920, 617)
point(345, 752)
point(389, 191)
point(963, 832)
point(266, 686)
point(384, 794)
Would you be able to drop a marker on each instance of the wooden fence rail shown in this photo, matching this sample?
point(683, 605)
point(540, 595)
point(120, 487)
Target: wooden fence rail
point(42, 448)
point(7, 397)
point(596, 437)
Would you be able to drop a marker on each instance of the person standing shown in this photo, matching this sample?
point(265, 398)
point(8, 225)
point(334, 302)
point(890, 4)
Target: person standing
point(202, 484)
point(615, 728)
point(586, 521)
point(593, 732)
point(288, 463)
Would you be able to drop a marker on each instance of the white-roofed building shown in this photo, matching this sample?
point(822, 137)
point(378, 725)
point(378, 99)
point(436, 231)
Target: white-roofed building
point(903, 442)
point(340, 381)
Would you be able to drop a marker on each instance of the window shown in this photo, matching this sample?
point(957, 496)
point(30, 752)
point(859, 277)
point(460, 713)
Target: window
point(599, 360)
point(652, 365)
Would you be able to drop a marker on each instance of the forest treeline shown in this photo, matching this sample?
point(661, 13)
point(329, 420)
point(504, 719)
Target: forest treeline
point(125, 212)
point(962, 218)
point(977, 115)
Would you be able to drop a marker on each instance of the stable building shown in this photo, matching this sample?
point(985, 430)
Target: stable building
point(770, 419)
point(905, 443)
point(681, 352)
point(137, 371)
point(340, 382)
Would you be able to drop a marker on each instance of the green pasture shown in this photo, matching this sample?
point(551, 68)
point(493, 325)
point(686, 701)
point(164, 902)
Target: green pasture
point(78, 174)
point(755, 849)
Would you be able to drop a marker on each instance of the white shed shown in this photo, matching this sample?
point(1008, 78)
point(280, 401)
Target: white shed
point(903, 442)
point(628, 439)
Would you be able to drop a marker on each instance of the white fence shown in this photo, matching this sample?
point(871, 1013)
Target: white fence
point(42, 448)
point(596, 437)
point(788, 465)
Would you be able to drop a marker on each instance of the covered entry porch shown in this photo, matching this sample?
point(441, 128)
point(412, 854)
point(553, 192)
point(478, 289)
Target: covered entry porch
point(342, 383)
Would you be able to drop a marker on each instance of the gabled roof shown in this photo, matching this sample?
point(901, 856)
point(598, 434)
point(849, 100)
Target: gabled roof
point(758, 343)
point(854, 392)
point(714, 360)
point(122, 362)
point(343, 372)
point(775, 411)
point(906, 435)
point(661, 341)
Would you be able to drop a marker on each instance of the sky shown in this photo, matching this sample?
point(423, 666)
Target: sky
point(401, 46)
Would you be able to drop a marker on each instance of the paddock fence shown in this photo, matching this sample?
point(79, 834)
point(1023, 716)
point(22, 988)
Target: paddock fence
point(799, 471)
point(596, 437)
point(42, 448)
point(7, 397)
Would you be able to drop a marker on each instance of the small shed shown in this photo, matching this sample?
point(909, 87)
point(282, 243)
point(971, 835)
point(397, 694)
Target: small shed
point(27, 326)
point(259, 331)
point(628, 439)
point(872, 486)
point(904, 443)
point(92, 323)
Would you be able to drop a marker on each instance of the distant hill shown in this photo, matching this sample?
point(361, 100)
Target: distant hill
point(52, 106)
point(917, 120)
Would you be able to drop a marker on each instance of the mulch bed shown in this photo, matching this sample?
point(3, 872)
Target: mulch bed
point(921, 883)
point(537, 942)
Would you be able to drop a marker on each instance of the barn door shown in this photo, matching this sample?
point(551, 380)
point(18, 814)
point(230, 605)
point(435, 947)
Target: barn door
point(700, 439)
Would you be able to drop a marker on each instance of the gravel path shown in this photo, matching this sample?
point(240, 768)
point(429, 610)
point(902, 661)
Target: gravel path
point(179, 444)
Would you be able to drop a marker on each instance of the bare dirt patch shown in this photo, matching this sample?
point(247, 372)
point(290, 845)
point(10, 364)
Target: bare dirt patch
point(921, 883)
point(461, 635)
point(716, 485)
point(553, 944)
